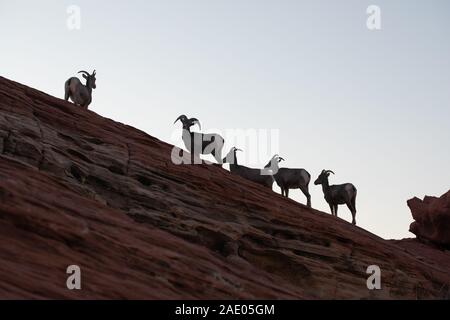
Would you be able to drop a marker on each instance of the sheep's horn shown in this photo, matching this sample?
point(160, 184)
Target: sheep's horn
point(182, 118)
point(281, 159)
point(94, 73)
point(236, 149)
point(84, 72)
point(329, 171)
point(196, 121)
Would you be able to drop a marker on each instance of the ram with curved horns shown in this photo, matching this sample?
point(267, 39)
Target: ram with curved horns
point(287, 178)
point(80, 94)
point(200, 143)
point(338, 194)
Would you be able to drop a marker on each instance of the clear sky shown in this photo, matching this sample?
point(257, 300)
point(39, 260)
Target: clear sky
point(371, 105)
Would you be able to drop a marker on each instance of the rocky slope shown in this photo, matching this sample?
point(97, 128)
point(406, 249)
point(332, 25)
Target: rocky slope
point(431, 219)
point(79, 189)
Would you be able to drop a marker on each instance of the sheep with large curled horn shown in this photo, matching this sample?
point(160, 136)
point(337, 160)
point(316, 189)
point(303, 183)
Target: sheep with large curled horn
point(338, 194)
point(80, 94)
point(287, 178)
point(200, 143)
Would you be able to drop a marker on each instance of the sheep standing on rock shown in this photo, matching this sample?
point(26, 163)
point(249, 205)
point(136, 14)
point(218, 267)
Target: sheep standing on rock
point(80, 94)
point(287, 178)
point(200, 143)
point(261, 177)
point(338, 194)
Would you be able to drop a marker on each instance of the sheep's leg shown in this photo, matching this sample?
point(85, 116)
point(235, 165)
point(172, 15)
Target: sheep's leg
point(331, 208)
point(335, 210)
point(218, 157)
point(354, 203)
point(286, 191)
point(217, 153)
point(353, 211)
point(192, 151)
point(282, 191)
point(196, 158)
point(305, 191)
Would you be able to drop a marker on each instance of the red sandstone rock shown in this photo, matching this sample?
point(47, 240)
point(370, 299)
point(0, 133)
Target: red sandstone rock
point(76, 188)
point(432, 219)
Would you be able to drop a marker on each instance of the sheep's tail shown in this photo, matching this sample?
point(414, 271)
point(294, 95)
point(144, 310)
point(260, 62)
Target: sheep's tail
point(67, 89)
point(309, 177)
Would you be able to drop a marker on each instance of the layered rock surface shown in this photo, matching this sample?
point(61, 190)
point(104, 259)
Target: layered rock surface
point(79, 189)
point(431, 219)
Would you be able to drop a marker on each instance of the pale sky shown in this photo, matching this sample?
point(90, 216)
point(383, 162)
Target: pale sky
point(371, 105)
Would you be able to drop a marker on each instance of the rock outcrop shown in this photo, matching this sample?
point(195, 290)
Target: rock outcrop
point(79, 189)
point(432, 219)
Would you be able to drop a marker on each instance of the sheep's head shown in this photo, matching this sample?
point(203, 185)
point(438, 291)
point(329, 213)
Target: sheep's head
point(90, 78)
point(323, 177)
point(188, 123)
point(273, 163)
point(231, 156)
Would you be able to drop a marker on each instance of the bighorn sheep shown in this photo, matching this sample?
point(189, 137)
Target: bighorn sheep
point(287, 178)
point(255, 175)
point(338, 194)
point(80, 94)
point(200, 143)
